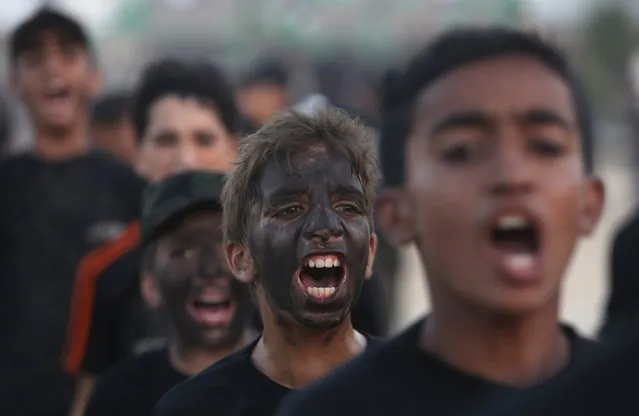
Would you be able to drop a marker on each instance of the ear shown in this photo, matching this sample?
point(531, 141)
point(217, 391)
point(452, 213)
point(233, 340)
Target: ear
point(240, 262)
point(150, 291)
point(592, 205)
point(372, 249)
point(94, 81)
point(395, 216)
point(15, 84)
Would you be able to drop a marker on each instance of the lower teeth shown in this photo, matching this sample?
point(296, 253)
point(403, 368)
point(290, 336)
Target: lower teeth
point(321, 292)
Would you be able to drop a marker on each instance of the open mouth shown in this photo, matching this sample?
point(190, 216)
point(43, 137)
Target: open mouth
point(322, 275)
point(57, 93)
point(516, 239)
point(212, 308)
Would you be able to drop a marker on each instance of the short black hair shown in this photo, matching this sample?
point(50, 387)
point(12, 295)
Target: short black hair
point(266, 71)
point(111, 108)
point(449, 51)
point(200, 80)
point(25, 35)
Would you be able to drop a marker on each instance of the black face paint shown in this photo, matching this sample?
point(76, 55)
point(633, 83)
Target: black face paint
point(206, 305)
point(318, 208)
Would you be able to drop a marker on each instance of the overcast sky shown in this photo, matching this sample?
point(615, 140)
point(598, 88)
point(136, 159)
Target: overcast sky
point(93, 11)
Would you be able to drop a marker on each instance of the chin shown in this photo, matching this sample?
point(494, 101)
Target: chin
point(60, 125)
point(321, 321)
point(513, 305)
point(219, 338)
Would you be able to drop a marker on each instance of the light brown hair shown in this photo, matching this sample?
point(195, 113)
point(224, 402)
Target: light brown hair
point(282, 139)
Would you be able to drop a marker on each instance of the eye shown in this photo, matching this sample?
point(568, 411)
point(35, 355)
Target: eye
point(69, 52)
point(32, 58)
point(546, 147)
point(205, 139)
point(183, 253)
point(348, 208)
point(165, 140)
point(459, 153)
point(289, 211)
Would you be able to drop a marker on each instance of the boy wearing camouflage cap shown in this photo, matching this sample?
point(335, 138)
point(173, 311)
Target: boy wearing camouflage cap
point(184, 274)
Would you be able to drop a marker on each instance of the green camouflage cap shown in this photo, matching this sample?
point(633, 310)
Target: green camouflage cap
point(165, 201)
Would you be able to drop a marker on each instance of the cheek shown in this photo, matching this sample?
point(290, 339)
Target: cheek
point(175, 280)
point(444, 204)
point(564, 202)
point(217, 157)
point(155, 162)
point(27, 86)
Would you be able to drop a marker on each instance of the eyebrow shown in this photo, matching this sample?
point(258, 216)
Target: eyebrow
point(462, 119)
point(348, 189)
point(285, 193)
point(544, 116)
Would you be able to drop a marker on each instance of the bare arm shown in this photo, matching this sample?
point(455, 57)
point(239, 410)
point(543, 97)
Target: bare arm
point(83, 389)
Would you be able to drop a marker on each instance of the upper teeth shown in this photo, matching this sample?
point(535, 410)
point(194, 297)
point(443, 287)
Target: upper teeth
point(322, 261)
point(512, 222)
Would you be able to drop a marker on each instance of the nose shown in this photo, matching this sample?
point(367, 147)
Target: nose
point(52, 63)
point(512, 172)
point(323, 225)
point(210, 267)
point(186, 158)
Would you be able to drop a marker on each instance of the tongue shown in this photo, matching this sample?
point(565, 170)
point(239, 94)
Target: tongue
point(518, 265)
point(324, 279)
point(517, 258)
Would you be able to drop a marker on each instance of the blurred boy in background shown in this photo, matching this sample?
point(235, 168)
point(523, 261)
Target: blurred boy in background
point(59, 201)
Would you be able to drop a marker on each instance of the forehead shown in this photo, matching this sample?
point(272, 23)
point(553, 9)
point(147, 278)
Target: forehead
point(315, 165)
point(173, 111)
point(500, 85)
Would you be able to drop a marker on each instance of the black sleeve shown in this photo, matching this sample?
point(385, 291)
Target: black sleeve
point(370, 312)
point(132, 186)
point(106, 398)
point(622, 312)
point(114, 327)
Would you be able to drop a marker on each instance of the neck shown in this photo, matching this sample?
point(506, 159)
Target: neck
point(519, 351)
point(61, 144)
point(190, 360)
point(294, 356)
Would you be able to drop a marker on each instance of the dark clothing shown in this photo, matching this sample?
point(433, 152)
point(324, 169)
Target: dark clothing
point(51, 214)
point(134, 386)
point(231, 387)
point(122, 326)
point(622, 313)
point(606, 387)
point(399, 378)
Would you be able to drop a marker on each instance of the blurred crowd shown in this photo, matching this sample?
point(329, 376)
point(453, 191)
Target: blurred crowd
point(149, 234)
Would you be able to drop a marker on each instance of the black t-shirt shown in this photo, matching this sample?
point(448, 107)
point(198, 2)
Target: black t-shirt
point(122, 326)
point(399, 378)
point(231, 387)
point(134, 386)
point(51, 214)
point(607, 387)
point(622, 313)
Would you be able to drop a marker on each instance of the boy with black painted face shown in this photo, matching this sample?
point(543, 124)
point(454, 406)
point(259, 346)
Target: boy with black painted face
point(298, 228)
point(184, 264)
point(486, 159)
